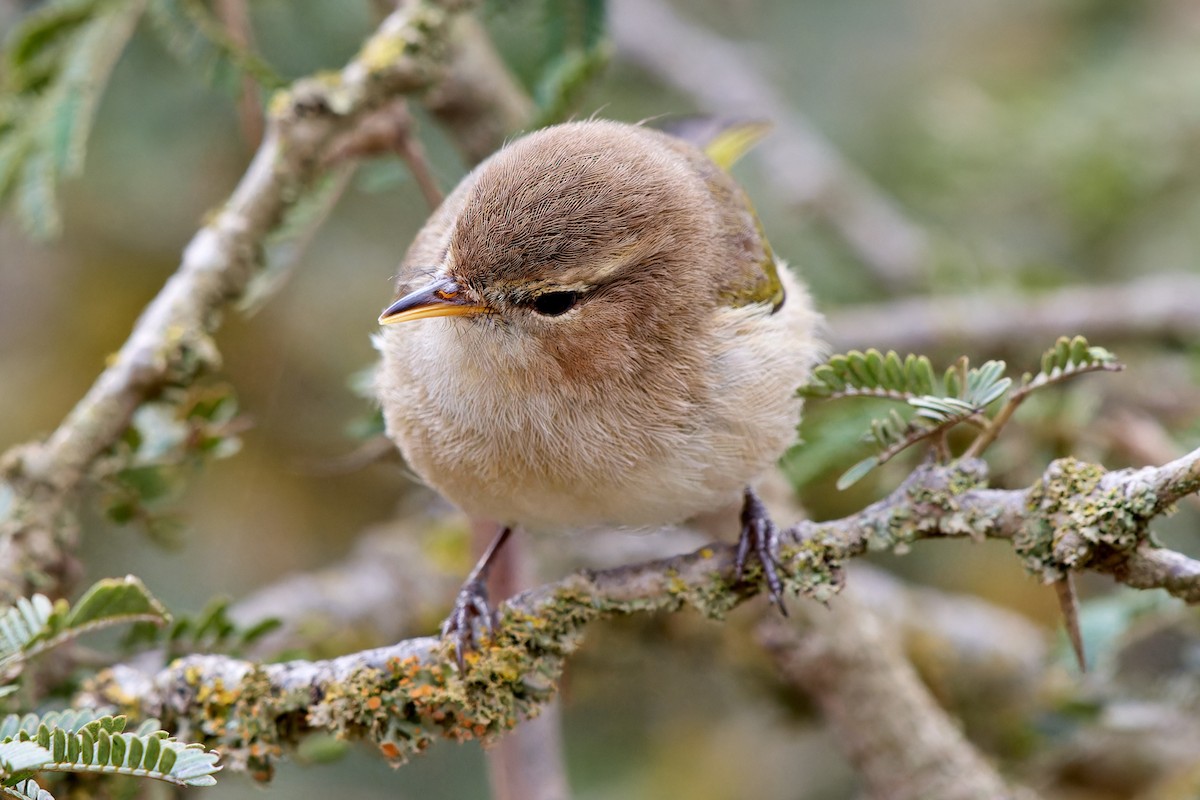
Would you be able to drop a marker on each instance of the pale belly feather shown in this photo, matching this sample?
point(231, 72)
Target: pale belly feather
point(476, 420)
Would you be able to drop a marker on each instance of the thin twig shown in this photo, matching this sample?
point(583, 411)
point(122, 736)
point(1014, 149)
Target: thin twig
point(410, 149)
point(390, 129)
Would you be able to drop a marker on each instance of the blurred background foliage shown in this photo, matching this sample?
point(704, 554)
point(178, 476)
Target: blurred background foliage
point(1037, 143)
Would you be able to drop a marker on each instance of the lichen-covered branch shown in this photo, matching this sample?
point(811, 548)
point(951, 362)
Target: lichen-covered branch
point(1077, 517)
point(171, 341)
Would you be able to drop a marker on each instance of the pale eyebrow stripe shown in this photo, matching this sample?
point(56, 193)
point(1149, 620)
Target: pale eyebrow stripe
point(546, 286)
point(597, 272)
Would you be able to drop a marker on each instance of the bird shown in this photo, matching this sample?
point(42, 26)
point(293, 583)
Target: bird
point(592, 331)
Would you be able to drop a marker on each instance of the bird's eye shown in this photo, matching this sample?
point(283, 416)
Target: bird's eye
point(552, 304)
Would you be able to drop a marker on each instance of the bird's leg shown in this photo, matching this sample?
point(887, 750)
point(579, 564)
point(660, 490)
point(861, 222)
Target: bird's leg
point(760, 538)
point(471, 605)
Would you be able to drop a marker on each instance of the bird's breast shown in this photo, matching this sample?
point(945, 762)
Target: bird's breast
point(494, 424)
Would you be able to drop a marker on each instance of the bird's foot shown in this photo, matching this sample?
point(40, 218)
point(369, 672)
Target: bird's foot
point(472, 618)
point(760, 539)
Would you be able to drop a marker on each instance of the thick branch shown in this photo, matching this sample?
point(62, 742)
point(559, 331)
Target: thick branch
point(171, 341)
point(1077, 517)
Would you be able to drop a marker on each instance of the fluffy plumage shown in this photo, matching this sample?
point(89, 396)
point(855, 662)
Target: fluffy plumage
point(666, 388)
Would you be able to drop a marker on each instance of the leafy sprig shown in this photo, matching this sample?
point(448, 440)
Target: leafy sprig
point(167, 440)
point(84, 740)
point(961, 395)
point(56, 743)
point(35, 625)
point(210, 631)
point(575, 33)
point(192, 33)
point(57, 63)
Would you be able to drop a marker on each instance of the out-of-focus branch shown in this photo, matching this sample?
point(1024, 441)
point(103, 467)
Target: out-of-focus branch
point(1077, 517)
point(171, 342)
point(969, 641)
point(890, 727)
point(390, 129)
point(477, 99)
point(385, 589)
point(1156, 305)
point(806, 169)
point(527, 764)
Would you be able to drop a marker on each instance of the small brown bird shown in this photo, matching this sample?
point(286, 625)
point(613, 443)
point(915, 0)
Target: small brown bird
point(597, 334)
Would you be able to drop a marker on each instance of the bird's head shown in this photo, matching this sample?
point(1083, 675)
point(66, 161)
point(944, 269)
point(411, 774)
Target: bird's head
point(590, 238)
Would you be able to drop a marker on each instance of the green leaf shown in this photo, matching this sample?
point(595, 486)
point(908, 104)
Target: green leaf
point(26, 790)
point(70, 720)
point(986, 384)
point(857, 364)
point(59, 60)
point(873, 362)
point(102, 746)
point(1071, 357)
point(212, 630)
point(942, 409)
point(148, 483)
point(829, 376)
point(950, 382)
point(893, 368)
point(21, 626)
point(116, 750)
point(873, 374)
point(574, 32)
point(214, 620)
point(114, 600)
point(152, 751)
point(857, 472)
point(18, 757)
point(34, 625)
point(260, 629)
point(919, 372)
point(43, 28)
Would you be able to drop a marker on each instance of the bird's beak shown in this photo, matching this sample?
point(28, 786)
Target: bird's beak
point(441, 298)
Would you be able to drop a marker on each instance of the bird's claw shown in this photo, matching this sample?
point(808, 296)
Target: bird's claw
point(760, 539)
point(471, 609)
point(470, 621)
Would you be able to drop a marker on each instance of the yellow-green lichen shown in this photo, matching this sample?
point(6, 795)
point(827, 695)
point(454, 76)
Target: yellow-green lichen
point(1070, 512)
point(421, 31)
point(814, 569)
point(929, 507)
